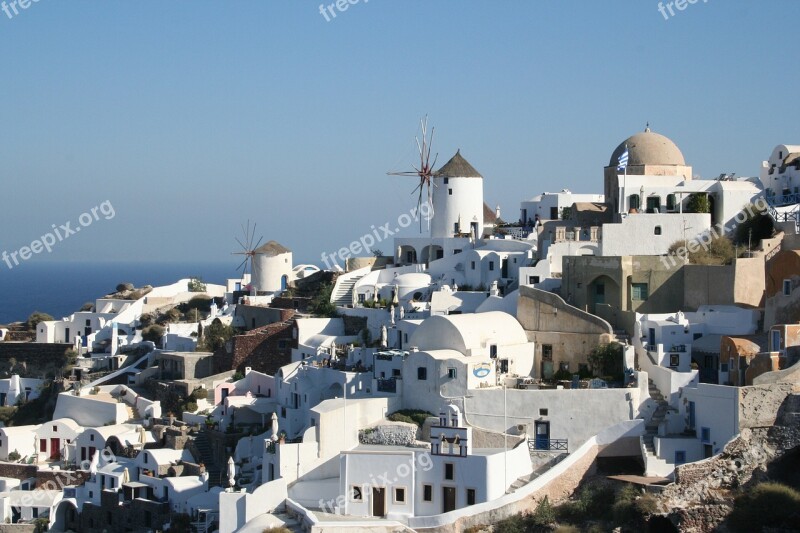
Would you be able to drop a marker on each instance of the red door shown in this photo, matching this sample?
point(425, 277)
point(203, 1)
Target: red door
point(55, 448)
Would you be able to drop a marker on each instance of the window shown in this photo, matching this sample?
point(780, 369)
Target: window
point(674, 360)
point(427, 493)
point(787, 287)
point(91, 438)
point(399, 495)
point(493, 351)
point(451, 373)
point(547, 352)
point(671, 202)
point(639, 291)
point(450, 192)
point(533, 280)
point(491, 265)
point(633, 201)
point(145, 458)
point(705, 435)
point(55, 429)
point(473, 265)
point(449, 471)
point(680, 457)
point(355, 493)
point(422, 373)
point(446, 181)
point(542, 412)
point(458, 251)
point(470, 496)
point(657, 230)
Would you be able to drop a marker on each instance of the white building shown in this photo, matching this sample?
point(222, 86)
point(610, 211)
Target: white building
point(780, 175)
point(453, 354)
point(397, 482)
point(551, 205)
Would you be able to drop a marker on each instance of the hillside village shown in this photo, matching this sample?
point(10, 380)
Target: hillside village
point(645, 335)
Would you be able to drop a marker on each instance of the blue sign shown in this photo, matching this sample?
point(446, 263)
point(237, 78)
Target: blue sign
point(481, 370)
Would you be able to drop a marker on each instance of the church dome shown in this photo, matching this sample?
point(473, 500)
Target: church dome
point(648, 148)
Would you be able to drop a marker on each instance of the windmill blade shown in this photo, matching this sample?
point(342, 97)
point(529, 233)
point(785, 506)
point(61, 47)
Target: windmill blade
point(252, 236)
point(243, 263)
point(241, 244)
point(258, 243)
point(407, 174)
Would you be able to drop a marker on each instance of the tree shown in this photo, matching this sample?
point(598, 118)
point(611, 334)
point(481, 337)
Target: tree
point(698, 203)
point(321, 305)
point(606, 360)
point(197, 285)
point(757, 225)
point(215, 336)
point(35, 318)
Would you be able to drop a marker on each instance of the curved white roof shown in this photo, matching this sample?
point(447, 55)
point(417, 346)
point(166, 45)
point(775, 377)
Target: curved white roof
point(464, 333)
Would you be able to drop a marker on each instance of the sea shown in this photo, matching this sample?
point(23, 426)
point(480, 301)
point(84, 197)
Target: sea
point(60, 289)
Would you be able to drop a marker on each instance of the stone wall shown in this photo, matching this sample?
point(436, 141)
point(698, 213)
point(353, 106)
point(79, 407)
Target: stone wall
point(702, 496)
point(265, 350)
point(34, 359)
point(390, 434)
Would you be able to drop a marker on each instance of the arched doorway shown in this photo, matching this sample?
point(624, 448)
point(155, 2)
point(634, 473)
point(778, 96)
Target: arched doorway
point(66, 518)
point(407, 255)
point(602, 290)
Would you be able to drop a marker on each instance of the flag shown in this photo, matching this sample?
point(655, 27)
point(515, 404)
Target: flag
point(622, 163)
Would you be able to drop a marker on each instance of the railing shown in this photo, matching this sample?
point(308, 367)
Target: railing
point(651, 348)
point(680, 348)
point(387, 385)
point(783, 199)
point(544, 445)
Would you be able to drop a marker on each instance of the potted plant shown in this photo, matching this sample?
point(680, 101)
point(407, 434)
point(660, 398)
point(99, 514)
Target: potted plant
point(282, 437)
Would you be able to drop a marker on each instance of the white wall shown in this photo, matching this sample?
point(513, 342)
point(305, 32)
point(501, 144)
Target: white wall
point(635, 235)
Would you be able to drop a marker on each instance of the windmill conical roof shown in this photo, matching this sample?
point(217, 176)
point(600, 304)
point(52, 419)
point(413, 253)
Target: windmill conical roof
point(271, 249)
point(457, 167)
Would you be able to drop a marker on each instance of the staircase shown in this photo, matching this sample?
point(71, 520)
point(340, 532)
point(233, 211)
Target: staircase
point(622, 336)
point(203, 446)
point(651, 427)
point(342, 294)
point(524, 480)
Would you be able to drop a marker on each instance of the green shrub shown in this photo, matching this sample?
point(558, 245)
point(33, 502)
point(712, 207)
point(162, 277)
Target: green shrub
point(190, 406)
point(768, 505)
point(397, 417)
point(544, 515)
point(153, 333)
point(412, 416)
point(14, 456)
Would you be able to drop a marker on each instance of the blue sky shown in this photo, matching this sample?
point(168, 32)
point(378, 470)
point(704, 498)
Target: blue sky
point(192, 117)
